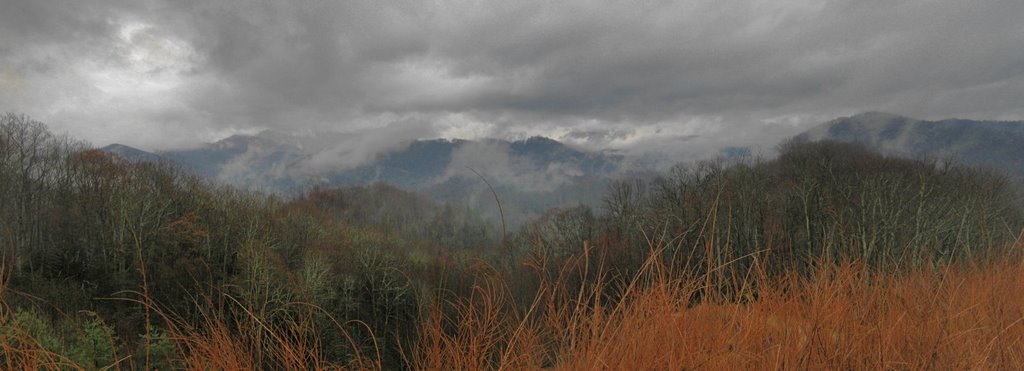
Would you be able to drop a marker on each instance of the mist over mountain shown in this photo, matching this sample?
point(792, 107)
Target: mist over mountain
point(998, 145)
point(131, 153)
point(530, 175)
point(538, 173)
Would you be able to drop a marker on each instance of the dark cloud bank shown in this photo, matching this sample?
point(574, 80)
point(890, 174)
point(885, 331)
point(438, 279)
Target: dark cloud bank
point(628, 75)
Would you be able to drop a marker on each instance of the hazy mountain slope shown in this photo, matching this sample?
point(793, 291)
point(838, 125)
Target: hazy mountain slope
point(995, 144)
point(131, 153)
point(413, 166)
point(530, 175)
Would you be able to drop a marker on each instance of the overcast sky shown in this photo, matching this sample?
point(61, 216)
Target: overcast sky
point(161, 74)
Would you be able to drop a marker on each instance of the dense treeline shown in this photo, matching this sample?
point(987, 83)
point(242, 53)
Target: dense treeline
point(817, 200)
point(109, 261)
point(87, 235)
point(816, 203)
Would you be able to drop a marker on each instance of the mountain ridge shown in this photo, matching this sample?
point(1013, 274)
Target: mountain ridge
point(537, 173)
point(998, 145)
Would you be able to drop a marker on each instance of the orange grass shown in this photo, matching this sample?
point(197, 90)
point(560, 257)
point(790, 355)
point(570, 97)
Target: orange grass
point(843, 317)
point(18, 349)
point(230, 336)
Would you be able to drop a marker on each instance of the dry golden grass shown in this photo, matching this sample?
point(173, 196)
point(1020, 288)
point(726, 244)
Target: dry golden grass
point(844, 317)
point(231, 337)
point(18, 349)
point(228, 336)
point(22, 352)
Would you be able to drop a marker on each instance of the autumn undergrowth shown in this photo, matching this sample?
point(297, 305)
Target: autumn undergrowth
point(841, 316)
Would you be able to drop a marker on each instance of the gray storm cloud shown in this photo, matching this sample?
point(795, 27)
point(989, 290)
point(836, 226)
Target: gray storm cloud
point(161, 74)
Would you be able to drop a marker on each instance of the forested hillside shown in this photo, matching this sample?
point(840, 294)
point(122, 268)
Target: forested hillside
point(992, 144)
point(92, 240)
point(138, 264)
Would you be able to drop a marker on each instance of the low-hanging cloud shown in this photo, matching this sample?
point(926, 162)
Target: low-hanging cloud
point(163, 73)
point(493, 161)
point(344, 151)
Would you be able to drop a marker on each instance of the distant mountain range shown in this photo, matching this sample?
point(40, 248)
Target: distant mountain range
point(997, 145)
point(281, 163)
point(538, 173)
point(530, 175)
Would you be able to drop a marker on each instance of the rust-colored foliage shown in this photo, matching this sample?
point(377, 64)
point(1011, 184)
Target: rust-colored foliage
point(187, 228)
point(843, 317)
point(100, 163)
